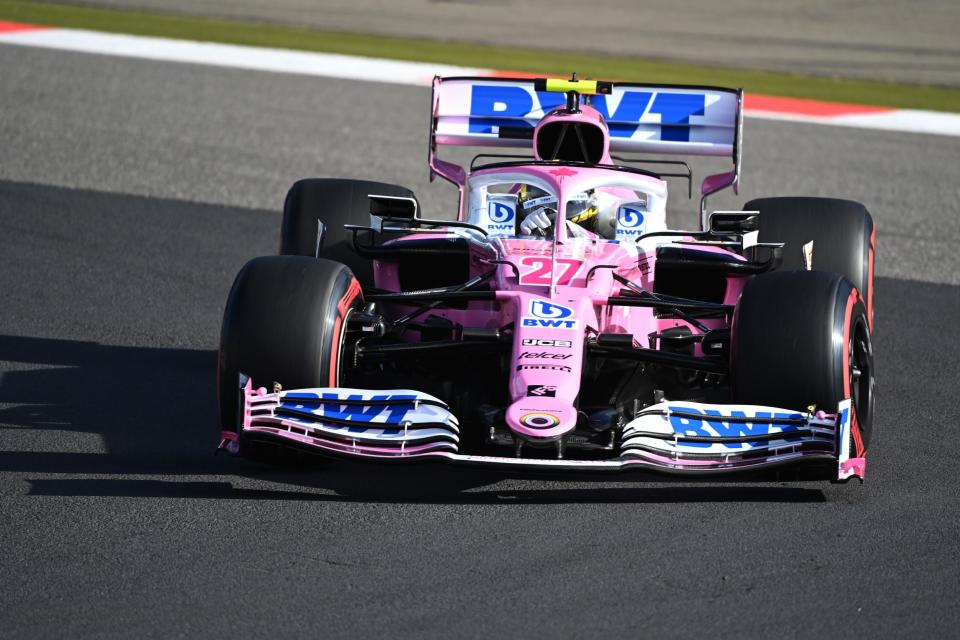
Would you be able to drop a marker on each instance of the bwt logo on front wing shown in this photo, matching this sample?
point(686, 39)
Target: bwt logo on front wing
point(549, 315)
point(710, 422)
point(330, 408)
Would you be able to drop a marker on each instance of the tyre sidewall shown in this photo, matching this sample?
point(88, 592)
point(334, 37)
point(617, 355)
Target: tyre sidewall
point(284, 322)
point(791, 341)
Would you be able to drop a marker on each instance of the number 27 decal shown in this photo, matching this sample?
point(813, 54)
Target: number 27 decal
point(536, 270)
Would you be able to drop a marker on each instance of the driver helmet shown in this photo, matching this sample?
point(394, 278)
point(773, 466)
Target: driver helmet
point(594, 210)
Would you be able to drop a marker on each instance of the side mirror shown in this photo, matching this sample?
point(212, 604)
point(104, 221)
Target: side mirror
point(717, 182)
point(734, 222)
point(393, 207)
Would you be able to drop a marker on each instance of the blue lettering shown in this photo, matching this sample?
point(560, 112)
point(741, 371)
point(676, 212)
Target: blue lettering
point(509, 106)
point(690, 426)
point(624, 121)
point(675, 110)
point(500, 212)
point(549, 324)
point(549, 100)
point(549, 310)
point(498, 106)
point(366, 414)
point(630, 217)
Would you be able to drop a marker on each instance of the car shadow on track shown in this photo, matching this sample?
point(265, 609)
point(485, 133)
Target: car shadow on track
point(414, 492)
point(155, 411)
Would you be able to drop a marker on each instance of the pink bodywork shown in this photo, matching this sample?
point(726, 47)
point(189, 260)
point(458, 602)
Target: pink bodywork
point(580, 279)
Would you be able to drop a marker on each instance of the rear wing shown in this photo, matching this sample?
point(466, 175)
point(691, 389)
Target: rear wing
point(643, 118)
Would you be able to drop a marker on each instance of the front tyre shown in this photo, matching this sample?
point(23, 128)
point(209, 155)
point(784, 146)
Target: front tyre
point(285, 321)
point(802, 338)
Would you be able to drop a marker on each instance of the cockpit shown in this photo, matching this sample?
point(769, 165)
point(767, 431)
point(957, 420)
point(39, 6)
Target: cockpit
point(600, 204)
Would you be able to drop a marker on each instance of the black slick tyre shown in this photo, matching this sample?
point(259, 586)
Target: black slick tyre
point(285, 321)
point(842, 231)
point(334, 202)
point(801, 338)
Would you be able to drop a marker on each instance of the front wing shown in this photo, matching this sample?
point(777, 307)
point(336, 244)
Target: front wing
point(683, 438)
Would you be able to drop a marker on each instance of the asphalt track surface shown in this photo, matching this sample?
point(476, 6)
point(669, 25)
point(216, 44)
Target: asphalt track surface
point(130, 194)
point(883, 39)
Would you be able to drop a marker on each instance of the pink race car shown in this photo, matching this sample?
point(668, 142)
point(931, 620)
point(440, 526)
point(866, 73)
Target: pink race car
point(558, 322)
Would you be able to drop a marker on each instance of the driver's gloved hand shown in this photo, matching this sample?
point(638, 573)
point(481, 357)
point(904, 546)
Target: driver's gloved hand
point(576, 231)
point(538, 221)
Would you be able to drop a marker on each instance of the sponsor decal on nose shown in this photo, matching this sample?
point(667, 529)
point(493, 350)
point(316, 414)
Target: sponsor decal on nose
point(549, 315)
point(540, 420)
point(541, 391)
point(543, 355)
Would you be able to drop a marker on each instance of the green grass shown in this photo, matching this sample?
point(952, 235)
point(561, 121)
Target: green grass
point(473, 55)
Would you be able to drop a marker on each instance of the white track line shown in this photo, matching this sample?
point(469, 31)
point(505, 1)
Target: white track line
point(327, 65)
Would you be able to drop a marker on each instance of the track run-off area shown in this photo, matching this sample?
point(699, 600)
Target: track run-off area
point(131, 192)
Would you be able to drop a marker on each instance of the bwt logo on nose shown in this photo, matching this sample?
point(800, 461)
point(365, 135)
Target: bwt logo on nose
point(549, 315)
point(548, 310)
point(506, 106)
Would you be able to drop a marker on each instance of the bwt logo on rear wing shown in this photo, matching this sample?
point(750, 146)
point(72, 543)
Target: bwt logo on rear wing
point(642, 118)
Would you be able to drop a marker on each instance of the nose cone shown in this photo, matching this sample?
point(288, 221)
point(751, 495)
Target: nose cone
point(541, 418)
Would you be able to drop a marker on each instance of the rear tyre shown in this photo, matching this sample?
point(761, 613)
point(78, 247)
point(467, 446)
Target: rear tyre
point(802, 338)
point(285, 321)
point(334, 202)
point(844, 238)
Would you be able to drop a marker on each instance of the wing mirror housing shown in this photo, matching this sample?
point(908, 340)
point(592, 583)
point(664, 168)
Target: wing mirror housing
point(734, 222)
point(393, 207)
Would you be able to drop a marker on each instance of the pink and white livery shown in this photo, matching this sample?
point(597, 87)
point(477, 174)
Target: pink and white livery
point(558, 321)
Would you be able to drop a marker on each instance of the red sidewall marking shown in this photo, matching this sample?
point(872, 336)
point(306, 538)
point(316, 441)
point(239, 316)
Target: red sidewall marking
point(857, 440)
point(847, 328)
point(352, 292)
point(851, 301)
point(873, 249)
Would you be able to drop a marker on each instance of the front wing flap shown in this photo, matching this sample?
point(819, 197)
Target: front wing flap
point(708, 437)
point(382, 424)
point(674, 437)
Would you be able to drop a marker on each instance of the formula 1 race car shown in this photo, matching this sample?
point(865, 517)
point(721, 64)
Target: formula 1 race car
point(557, 322)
